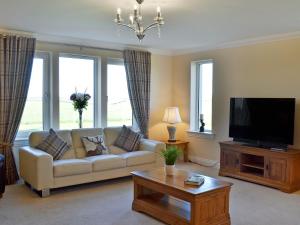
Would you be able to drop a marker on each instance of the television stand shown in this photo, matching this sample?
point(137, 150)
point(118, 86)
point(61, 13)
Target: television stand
point(277, 169)
point(266, 145)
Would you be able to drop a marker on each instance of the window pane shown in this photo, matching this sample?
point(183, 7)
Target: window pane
point(75, 74)
point(206, 73)
point(118, 104)
point(32, 118)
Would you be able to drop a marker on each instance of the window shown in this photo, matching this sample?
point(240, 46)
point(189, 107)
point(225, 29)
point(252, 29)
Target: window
point(48, 101)
point(75, 74)
point(201, 94)
point(118, 104)
point(36, 106)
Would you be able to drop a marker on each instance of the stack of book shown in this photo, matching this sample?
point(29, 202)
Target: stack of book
point(195, 179)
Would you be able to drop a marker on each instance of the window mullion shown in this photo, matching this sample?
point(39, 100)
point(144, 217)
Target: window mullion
point(46, 92)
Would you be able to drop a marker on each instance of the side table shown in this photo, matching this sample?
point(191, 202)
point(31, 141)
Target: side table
point(182, 145)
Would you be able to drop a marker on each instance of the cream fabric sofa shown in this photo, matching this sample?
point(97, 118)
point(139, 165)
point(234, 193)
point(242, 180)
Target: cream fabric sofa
point(42, 173)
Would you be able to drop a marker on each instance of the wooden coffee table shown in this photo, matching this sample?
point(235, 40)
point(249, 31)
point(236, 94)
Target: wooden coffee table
point(168, 199)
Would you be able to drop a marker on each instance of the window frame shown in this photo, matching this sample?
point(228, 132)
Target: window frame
point(195, 95)
point(96, 87)
point(46, 97)
point(118, 62)
point(51, 84)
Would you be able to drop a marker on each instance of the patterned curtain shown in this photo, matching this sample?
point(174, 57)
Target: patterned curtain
point(16, 58)
point(138, 73)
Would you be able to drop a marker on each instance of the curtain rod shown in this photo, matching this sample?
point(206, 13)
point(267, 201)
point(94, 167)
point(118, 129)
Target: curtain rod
point(6, 32)
point(84, 46)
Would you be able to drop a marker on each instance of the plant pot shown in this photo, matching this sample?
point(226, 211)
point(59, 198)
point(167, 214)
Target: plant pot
point(170, 170)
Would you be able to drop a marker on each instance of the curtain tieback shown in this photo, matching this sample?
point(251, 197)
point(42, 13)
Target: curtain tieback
point(5, 144)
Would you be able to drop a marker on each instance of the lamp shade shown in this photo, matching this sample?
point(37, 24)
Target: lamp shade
point(172, 115)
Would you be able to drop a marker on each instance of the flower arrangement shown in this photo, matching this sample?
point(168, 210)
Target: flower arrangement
point(80, 102)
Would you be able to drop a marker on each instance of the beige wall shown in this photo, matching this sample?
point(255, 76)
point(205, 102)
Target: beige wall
point(261, 70)
point(161, 97)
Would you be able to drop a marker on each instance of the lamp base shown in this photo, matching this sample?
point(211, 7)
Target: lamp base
point(172, 132)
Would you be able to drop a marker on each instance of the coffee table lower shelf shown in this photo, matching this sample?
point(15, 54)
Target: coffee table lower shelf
point(167, 209)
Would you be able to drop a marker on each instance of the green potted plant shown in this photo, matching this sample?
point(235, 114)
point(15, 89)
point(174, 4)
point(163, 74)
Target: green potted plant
point(170, 155)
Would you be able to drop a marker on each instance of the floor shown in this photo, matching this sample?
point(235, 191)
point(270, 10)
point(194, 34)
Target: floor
point(109, 203)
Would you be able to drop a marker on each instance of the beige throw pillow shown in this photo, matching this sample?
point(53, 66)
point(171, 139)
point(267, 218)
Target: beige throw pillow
point(94, 145)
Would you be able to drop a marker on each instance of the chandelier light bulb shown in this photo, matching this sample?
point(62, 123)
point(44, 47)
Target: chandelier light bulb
point(135, 11)
point(131, 19)
point(119, 11)
point(158, 11)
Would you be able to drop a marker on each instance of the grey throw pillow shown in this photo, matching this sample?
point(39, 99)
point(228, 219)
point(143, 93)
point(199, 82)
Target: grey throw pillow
point(94, 145)
point(128, 139)
point(54, 145)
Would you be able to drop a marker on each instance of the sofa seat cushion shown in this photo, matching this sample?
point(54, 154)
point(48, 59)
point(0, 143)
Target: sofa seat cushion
point(106, 162)
point(138, 157)
point(69, 167)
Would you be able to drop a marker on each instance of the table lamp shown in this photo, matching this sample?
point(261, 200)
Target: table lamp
point(172, 116)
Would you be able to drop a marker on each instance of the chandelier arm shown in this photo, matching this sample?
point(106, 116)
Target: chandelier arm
point(138, 25)
point(151, 26)
point(126, 25)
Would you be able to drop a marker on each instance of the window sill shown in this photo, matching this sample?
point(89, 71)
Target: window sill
point(197, 134)
point(21, 139)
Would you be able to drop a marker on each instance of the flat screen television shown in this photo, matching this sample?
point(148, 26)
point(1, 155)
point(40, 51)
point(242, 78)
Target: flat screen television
point(264, 122)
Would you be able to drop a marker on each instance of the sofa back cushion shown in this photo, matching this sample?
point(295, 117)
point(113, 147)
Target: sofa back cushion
point(77, 134)
point(35, 138)
point(116, 150)
point(111, 134)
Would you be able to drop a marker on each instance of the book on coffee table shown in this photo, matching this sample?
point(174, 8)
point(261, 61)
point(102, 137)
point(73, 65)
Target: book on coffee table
point(196, 180)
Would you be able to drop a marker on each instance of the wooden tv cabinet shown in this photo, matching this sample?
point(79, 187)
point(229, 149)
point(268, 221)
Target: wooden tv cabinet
point(276, 169)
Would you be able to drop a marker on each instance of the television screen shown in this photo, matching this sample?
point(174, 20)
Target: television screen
point(266, 120)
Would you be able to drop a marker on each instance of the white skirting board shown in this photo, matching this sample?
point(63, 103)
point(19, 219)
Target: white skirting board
point(204, 162)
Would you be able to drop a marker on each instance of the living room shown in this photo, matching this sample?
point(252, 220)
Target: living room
point(251, 50)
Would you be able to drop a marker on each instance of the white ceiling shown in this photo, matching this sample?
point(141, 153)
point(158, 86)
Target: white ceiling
point(190, 24)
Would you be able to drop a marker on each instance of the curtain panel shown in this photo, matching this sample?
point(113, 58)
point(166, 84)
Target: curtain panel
point(16, 59)
point(138, 74)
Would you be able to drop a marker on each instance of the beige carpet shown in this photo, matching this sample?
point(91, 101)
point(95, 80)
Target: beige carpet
point(109, 203)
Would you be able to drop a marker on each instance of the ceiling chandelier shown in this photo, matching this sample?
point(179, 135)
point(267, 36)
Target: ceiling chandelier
point(136, 21)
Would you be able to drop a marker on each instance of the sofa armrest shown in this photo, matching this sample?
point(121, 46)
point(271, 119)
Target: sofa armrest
point(154, 146)
point(36, 167)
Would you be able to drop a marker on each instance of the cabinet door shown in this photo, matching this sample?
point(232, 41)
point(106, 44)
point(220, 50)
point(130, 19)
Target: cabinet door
point(276, 169)
point(230, 160)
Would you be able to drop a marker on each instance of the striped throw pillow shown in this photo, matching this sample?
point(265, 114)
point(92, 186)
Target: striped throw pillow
point(54, 145)
point(128, 139)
